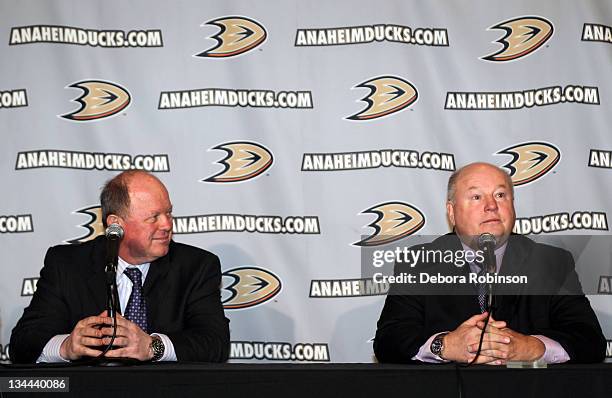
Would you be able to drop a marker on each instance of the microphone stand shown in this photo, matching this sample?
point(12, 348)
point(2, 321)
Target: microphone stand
point(112, 298)
point(490, 262)
point(491, 269)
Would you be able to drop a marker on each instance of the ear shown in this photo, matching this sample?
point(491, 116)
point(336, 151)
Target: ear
point(114, 219)
point(450, 212)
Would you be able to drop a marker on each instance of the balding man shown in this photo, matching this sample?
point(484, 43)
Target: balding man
point(168, 292)
point(536, 323)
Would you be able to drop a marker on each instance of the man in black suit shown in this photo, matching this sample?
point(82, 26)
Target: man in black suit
point(536, 323)
point(174, 301)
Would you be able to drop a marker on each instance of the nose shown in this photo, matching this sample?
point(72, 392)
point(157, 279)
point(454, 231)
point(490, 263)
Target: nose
point(165, 222)
point(490, 203)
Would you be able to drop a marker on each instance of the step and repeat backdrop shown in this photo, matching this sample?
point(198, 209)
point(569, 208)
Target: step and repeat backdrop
point(293, 134)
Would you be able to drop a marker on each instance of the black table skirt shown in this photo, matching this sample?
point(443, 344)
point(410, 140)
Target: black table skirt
point(324, 380)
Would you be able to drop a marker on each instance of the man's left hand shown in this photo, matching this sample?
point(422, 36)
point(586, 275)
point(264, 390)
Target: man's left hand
point(520, 348)
point(132, 341)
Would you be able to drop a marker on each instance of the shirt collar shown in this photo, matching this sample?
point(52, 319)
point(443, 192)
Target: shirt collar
point(122, 265)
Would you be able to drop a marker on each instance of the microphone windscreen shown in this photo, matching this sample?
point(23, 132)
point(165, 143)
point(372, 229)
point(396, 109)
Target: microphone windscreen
point(486, 239)
point(114, 231)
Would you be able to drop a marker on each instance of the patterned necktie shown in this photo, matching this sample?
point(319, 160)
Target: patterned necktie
point(136, 310)
point(483, 289)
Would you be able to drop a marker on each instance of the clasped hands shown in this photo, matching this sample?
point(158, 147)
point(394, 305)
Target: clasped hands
point(93, 334)
point(499, 345)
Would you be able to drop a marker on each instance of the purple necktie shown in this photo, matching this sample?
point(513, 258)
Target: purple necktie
point(136, 310)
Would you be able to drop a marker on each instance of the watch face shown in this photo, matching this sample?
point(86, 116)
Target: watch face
point(158, 349)
point(436, 345)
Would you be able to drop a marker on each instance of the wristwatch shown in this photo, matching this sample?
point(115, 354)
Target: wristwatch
point(158, 348)
point(437, 345)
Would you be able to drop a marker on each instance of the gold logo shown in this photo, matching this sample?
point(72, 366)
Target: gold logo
point(244, 160)
point(249, 286)
point(530, 161)
point(237, 36)
point(523, 36)
point(394, 221)
point(388, 94)
point(99, 100)
point(94, 225)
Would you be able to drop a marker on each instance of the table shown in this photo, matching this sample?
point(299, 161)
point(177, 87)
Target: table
point(324, 380)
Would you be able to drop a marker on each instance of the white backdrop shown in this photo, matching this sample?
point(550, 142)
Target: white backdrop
point(417, 88)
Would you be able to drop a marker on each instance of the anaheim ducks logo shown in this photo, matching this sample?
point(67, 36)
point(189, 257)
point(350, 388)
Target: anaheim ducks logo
point(237, 36)
point(395, 220)
point(99, 100)
point(249, 286)
point(530, 161)
point(388, 94)
point(523, 36)
point(94, 225)
point(244, 160)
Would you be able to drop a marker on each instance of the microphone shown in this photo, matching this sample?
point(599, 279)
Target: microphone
point(486, 243)
point(114, 234)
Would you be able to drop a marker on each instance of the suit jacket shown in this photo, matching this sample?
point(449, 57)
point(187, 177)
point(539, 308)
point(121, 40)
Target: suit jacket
point(543, 307)
point(181, 290)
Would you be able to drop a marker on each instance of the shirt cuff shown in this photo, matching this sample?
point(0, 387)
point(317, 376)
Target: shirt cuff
point(554, 353)
point(169, 354)
point(51, 350)
point(425, 354)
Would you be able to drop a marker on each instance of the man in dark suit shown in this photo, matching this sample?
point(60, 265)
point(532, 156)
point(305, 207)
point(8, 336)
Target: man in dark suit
point(168, 292)
point(536, 323)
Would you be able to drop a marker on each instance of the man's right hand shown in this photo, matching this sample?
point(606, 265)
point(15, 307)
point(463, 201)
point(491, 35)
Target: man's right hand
point(86, 334)
point(457, 342)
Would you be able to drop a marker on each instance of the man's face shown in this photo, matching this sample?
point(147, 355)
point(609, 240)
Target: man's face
point(148, 223)
point(483, 202)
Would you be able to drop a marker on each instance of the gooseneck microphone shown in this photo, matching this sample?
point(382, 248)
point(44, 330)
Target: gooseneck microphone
point(114, 234)
point(487, 243)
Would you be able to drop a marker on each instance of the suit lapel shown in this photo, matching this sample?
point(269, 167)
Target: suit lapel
point(465, 296)
point(96, 280)
point(151, 289)
point(513, 263)
point(158, 270)
point(462, 292)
